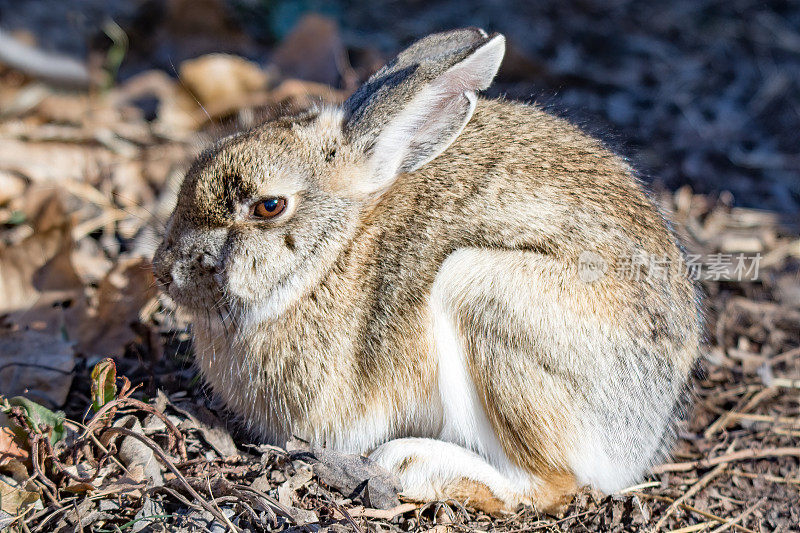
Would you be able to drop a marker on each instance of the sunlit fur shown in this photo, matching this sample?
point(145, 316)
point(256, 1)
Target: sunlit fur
point(436, 318)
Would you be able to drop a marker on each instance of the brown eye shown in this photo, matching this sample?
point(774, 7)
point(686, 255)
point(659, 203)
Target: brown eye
point(269, 208)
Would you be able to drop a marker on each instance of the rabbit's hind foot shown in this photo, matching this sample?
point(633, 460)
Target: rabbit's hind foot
point(431, 469)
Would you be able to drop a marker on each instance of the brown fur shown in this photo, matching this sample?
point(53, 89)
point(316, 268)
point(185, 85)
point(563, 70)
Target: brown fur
point(477, 495)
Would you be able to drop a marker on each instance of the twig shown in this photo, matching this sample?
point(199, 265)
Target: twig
point(174, 435)
point(692, 509)
point(691, 529)
point(62, 469)
point(36, 467)
point(55, 68)
point(213, 502)
point(769, 419)
point(384, 514)
point(741, 516)
point(640, 486)
point(168, 463)
point(767, 477)
point(741, 455)
point(273, 503)
point(694, 489)
point(744, 406)
point(347, 517)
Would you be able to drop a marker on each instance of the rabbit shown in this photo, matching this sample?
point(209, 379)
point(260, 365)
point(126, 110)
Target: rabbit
point(471, 292)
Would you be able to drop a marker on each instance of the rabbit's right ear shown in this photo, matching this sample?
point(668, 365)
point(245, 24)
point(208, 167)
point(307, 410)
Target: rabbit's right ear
point(408, 112)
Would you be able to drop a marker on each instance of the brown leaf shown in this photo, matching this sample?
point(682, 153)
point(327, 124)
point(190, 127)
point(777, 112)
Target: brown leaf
point(134, 454)
point(222, 80)
point(54, 161)
point(11, 186)
point(14, 499)
point(299, 94)
point(36, 365)
point(39, 263)
point(13, 446)
point(211, 427)
point(122, 294)
point(354, 476)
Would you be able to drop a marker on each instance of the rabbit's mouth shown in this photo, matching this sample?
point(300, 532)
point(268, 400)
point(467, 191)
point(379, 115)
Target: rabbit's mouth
point(202, 296)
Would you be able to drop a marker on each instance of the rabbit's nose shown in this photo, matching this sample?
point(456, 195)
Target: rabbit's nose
point(211, 266)
point(208, 262)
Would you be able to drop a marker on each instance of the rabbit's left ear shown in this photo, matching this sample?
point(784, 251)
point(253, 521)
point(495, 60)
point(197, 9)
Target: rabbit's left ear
point(412, 109)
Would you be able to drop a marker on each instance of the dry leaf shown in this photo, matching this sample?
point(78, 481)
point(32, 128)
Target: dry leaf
point(13, 498)
point(222, 80)
point(11, 186)
point(300, 94)
point(40, 263)
point(54, 161)
point(135, 454)
point(131, 485)
point(122, 294)
point(211, 427)
point(354, 476)
point(13, 446)
point(36, 365)
point(286, 492)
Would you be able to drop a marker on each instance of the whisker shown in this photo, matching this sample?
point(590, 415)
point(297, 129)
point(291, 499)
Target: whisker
point(180, 81)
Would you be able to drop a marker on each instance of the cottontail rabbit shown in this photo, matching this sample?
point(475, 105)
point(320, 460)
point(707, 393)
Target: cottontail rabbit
point(472, 291)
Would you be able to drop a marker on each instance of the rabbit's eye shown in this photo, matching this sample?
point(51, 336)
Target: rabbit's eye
point(269, 208)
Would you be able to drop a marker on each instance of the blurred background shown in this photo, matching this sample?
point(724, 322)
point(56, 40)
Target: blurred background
point(104, 103)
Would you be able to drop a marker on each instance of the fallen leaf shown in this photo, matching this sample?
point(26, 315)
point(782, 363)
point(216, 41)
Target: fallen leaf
point(41, 262)
point(51, 162)
point(37, 365)
point(134, 453)
point(211, 428)
point(301, 94)
point(41, 417)
point(11, 186)
point(222, 80)
point(287, 489)
point(151, 513)
point(124, 485)
point(84, 470)
point(13, 445)
point(122, 294)
point(354, 476)
point(13, 498)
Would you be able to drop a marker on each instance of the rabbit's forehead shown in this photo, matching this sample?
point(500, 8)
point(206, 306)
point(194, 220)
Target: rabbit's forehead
point(232, 176)
point(248, 169)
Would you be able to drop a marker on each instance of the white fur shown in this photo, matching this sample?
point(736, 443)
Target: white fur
point(464, 417)
point(466, 446)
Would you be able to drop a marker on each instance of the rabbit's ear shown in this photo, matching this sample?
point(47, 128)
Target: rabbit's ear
point(408, 112)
